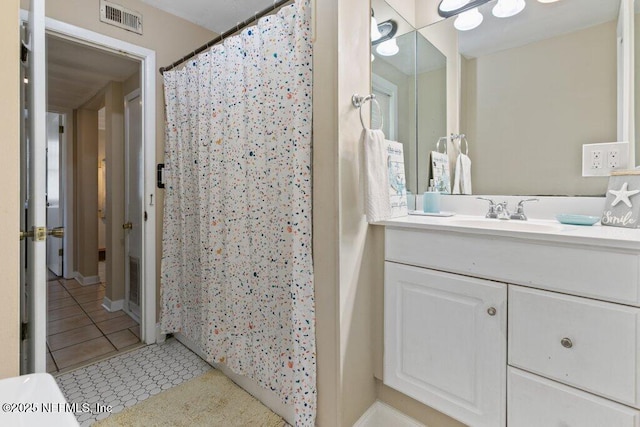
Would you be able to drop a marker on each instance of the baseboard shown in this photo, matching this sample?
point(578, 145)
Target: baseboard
point(382, 415)
point(160, 336)
point(267, 397)
point(112, 306)
point(86, 281)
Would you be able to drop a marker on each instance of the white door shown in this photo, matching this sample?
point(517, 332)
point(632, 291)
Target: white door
point(134, 190)
point(54, 195)
point(445, 342)
point(33, 194)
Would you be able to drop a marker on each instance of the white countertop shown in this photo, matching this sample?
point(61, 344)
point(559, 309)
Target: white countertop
point(551, 231)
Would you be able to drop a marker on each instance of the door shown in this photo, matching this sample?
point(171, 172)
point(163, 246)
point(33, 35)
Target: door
point(445, 342)
point(33, 194)
point(133, 202)
point(54, 195)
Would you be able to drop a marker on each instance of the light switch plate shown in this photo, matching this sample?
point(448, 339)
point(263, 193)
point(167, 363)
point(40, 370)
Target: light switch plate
point(603, 158)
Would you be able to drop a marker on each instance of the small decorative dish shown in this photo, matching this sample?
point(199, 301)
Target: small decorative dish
point(577, 219)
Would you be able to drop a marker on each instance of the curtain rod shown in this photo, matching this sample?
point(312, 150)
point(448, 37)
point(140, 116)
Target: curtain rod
point(230, 32)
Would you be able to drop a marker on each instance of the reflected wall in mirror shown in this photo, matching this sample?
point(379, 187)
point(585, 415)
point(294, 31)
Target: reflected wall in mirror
point(393, 83)
point(529, 91)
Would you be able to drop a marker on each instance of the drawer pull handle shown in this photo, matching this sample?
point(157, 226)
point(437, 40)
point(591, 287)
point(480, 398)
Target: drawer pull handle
point(492, 311)
point(566, 343)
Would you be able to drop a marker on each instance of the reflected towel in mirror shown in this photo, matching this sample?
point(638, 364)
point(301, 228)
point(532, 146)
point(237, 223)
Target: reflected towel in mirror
point(462, 178)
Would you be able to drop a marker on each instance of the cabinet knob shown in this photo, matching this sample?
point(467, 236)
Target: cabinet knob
point(492, 311)
point(566, 343)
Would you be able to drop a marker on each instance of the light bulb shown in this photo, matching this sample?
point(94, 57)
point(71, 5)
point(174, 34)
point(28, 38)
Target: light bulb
point(375, 33)
point(468, 20)
point(507, 8)
point(388, 48)
point(449, 5)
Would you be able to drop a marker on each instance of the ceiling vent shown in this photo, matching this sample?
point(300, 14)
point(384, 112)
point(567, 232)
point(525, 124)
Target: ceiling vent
point(114, 14)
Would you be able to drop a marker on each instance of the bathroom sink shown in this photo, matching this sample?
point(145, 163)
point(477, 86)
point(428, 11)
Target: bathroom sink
point(509, 225)
point(34, 400)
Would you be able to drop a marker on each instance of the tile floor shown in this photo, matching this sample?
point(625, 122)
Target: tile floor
point(80, 330)
point(129, 378)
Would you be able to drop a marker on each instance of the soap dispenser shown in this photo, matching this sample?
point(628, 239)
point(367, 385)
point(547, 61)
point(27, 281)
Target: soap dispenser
point(431, 199)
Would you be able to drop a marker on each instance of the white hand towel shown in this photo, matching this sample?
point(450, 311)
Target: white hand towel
point(462, 179)
point(376, 185)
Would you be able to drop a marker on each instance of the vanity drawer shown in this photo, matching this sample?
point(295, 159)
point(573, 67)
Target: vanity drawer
point(585, 343)
point(533, 401)
point(592, 272)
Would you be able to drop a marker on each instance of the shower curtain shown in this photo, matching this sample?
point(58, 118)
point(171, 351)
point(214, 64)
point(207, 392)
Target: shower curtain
point(237, 274)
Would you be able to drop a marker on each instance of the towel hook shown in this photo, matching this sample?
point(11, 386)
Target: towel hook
point(358, 101)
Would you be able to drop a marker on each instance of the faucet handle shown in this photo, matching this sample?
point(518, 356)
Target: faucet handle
point(522, 202)
point(492, 208)
point(491, 202)
point(519, 213)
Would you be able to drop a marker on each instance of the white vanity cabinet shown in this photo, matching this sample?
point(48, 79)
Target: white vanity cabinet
point(445, 342)
point(573, 323)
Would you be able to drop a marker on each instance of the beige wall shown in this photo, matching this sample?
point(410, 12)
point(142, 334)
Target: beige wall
point(445, 39)
point(432, 109)
point(9, 176)
point(86, 196)
point(325, 211)
point(521, 110)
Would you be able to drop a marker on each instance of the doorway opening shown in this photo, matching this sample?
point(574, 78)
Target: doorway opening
point(85, 314)
point(88, 311)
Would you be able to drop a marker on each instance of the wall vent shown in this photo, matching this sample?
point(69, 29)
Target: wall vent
point(114, 14)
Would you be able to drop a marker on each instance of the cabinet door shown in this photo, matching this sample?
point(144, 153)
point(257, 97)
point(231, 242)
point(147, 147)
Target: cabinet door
point(445, 342)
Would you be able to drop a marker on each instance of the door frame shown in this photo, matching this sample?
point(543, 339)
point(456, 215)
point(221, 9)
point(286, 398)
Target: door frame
point(136, 93)
point(147, 57)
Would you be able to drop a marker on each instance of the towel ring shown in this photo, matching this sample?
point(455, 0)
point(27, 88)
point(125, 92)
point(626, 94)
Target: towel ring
point(441, 139)
point(466, 145)
point(460, 137)
point(358, 101)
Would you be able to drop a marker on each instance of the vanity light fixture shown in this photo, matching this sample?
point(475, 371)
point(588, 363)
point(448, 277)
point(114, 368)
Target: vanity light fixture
point(448, 8)
point(507, 8)
point(386, 43)
point(468, 20)
point(375, 32)
point(388, 48)
point(469, 17)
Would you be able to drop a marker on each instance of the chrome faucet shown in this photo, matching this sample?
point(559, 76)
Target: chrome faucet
point(501, 211)
point(491, 213)
point(519, 213)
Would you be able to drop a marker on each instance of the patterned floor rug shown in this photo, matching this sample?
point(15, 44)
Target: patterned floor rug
point(208, 400)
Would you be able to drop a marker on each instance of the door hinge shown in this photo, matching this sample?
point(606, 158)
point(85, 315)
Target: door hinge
point(24, 52)
point(60, 252)
point(60, 129)
point(145, 215)
point(24, 331)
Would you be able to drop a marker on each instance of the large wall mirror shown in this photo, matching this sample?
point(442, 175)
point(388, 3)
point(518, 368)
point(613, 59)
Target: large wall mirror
point(527, 91)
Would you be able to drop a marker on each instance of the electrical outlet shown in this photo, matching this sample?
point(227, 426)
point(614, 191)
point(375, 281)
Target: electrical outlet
point(596, 159)
point(601, 159)
point(613, 158)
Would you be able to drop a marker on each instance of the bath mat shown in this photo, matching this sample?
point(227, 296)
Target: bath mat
point(211, 399)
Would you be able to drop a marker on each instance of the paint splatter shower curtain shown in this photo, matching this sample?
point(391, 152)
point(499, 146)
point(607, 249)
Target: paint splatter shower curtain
point(237, 274)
